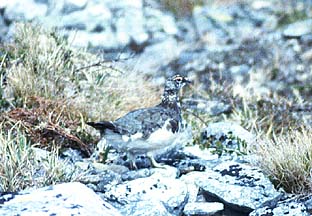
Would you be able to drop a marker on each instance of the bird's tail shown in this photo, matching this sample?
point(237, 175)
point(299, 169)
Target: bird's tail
point(102, 126)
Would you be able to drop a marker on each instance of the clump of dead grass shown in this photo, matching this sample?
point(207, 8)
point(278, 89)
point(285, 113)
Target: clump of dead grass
point(287, 160)
point(51, 123)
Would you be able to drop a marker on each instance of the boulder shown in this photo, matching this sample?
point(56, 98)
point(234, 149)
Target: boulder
point(171, 192)
point(63, 199)
point(238, 186)
point(202, 208)
point(298, 29)
point(285, 204)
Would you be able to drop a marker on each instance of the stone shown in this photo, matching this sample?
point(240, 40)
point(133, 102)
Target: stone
point(289, 205)
point(260, 4)
point(73, 5)
point(135, 174)
point(105, 40)
point(211, 107)
point(153, 56)
point(63, 199)
point(197, 152)
point(100, 181)
point(307, 55)
point(146, 207)
point(93, 17)
point(238, 186)
point(172, 192)
point(3, 28)
point(202, 208)
point(72, 155)
point(240, 73)
point(15, 10)
point(298, 29)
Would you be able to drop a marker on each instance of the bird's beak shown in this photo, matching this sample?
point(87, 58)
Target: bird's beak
point(187, 81)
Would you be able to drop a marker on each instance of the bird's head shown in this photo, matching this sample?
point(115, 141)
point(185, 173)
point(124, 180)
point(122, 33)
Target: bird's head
point(176, 82)
point(172, 87)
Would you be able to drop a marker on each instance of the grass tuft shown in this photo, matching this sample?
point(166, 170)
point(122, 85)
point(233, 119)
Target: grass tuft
point(20, 168)
point(288, 160)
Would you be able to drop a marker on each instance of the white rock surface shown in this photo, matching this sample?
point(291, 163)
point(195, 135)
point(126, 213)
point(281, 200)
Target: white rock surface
point(172, 192)
point(63, 199)
point(238, 185)
point(202, 208)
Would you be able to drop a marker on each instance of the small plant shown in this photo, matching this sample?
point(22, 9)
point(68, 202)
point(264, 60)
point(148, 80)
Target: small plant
point(291, 16)
point(226, 144)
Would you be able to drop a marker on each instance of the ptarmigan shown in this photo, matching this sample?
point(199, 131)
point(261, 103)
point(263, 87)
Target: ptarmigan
point(147, 131)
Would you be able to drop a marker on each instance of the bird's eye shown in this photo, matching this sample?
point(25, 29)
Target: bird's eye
point(179, 79)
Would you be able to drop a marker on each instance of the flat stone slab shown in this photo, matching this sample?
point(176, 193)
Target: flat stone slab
point(171, 192)
point(63, 199)
point(237, 185)
point(202, 208)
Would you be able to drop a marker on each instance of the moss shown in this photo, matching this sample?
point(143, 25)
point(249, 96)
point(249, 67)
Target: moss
point(291, 17)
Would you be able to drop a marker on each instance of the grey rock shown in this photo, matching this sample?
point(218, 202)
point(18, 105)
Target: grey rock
point(157, 21)
point(211, 107)
point(172, 192)
point(307, 202)
point(105, 24)
point(131, 27)
point(146, 207)
point(17, 11)
point(240, 73)
point(73, 5)
point(92, 17)
point(289, 205)
point(63, 199)
point(3, 28)
point(239, 186)
point(72, 155)
point(298, 29)
point(105, 40)
point(99, 180)
point(202, 208)
point(157, 55)
point(135, 174)
point(196, 151)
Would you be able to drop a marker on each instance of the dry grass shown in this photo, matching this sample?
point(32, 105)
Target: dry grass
point(51, 123)
point(42, 64)
point(20, 168)
point(288, 160)
point(181, 7)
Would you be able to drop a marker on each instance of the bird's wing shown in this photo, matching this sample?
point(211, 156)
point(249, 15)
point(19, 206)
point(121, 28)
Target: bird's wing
point(146, 121)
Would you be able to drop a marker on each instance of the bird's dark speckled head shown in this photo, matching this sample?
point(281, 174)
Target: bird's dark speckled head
point(175, 83)
point(172, 87)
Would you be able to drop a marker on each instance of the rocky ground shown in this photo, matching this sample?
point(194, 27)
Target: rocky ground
point(259, 49)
